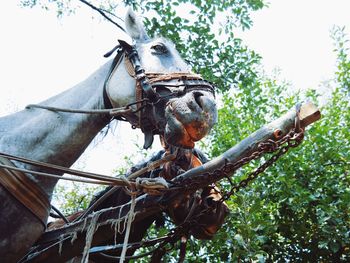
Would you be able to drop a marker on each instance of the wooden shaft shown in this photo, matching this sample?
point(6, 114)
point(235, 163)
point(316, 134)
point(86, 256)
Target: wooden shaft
point(308, 114)
point(149, 205)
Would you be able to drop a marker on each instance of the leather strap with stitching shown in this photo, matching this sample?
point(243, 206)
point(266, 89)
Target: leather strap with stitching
point(25, 191)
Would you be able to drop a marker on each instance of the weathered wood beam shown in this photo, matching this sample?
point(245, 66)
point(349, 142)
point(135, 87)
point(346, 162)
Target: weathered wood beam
point(150, 205)
point(308, 113)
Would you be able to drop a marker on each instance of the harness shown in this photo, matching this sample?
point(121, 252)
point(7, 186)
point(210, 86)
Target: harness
point(152, 91)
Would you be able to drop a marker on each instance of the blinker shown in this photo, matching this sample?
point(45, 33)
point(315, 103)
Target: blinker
point(140, 75)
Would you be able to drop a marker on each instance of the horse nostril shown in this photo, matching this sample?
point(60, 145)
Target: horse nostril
point(197, 96)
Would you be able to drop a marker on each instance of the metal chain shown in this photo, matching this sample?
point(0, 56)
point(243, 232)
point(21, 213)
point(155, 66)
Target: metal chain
point(290, 140)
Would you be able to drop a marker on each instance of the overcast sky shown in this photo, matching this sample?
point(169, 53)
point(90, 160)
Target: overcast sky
point(294, 35)
point(41, 56)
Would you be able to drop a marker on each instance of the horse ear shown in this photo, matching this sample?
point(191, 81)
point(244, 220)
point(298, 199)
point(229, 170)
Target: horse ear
point(134, 27)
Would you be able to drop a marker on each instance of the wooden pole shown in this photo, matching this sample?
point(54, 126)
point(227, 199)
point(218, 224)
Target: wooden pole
point(308, 113)
point(150, 205)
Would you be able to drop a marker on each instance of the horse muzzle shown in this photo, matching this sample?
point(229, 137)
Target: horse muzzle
point(189, 118)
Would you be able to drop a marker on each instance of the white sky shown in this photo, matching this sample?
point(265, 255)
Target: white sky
point(294, 35)
point(41, 56)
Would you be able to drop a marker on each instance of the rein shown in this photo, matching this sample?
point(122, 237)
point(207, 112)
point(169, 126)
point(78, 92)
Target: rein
point(91, 177)
point(14, 179)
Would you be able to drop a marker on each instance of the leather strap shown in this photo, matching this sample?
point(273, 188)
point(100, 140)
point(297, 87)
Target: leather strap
point(115, 63)
point(129, 67)
point(25, 191)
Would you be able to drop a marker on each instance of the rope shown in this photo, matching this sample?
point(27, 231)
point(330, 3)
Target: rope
point(131, 216)
point(111, 181)
point(151, 186)
point(150, 167)
point(139, 184)
point(113, 112)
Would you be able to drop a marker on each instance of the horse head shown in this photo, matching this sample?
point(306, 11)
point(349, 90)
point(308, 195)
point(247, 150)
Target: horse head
point(181, 106)
point(204, 209)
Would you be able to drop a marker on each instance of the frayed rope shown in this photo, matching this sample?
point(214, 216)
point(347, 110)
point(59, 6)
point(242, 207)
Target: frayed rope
point(131, 217)
point(89, 235)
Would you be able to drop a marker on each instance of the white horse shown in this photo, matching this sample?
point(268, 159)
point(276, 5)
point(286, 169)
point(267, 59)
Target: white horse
point(60, 138)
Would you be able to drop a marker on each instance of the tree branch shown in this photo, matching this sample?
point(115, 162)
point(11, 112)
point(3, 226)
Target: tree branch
point(102, 12)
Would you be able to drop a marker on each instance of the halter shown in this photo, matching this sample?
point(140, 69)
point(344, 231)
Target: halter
point(152, 89)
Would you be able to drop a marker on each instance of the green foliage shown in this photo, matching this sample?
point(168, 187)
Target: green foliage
point(61, 7)
point(299, 209)
point(342, 49)
point(72, 197)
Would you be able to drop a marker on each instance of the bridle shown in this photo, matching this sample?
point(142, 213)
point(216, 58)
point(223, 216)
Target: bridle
point(153, 90)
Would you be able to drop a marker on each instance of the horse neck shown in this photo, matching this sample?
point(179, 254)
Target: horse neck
point(56, 137)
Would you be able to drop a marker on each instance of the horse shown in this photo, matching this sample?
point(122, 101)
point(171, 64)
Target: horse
point(181, 114)
point(205, 226)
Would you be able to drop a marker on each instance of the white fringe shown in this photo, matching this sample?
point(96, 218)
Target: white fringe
point(89, 235)
point(131, 216)
point(60, 244)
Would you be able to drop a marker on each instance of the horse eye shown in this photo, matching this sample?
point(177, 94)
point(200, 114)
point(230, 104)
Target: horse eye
point(159, 48)
point(162, 91)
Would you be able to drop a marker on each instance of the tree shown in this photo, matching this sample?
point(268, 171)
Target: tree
point(298, 210)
